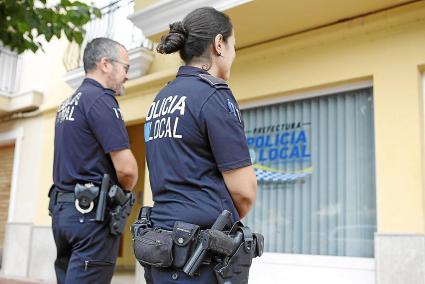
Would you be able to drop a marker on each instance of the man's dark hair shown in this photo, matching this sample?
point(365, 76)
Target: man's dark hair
point(195, 33)
point(97, 49)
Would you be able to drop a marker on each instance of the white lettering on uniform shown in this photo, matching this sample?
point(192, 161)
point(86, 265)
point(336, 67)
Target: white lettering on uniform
point(171, 104)
point(66, 109)
point(150, 112)
point(175, 135)
point(156, 129)
point(166, 126)
point(161, 129)
point(71, 111)
point(155, 114)
point(181, 105)
point(164, 109)
point(116, 112)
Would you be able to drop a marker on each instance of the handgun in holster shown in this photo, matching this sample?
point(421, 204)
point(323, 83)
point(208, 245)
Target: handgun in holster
point(119, 202)
point(205, 243)
point(233, 268)
point(233, 251)
point(143, 220)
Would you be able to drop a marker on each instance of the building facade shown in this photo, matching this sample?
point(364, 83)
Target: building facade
point(332, 97)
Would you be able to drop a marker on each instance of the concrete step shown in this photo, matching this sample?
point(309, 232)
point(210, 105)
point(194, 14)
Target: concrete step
point(4, 280)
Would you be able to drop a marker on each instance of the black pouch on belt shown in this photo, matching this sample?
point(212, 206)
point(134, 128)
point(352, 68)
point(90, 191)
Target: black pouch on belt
point(184, 235)
point(51, 199)
point(153, 247)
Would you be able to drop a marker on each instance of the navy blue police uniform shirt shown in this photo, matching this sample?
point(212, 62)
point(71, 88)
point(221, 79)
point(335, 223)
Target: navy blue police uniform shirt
point(88, 126)
point(193, 132)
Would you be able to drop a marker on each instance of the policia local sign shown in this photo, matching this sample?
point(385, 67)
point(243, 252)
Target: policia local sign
point(278, 146)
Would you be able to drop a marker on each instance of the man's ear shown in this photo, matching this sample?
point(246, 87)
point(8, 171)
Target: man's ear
point(103, 64)
point(218, 44)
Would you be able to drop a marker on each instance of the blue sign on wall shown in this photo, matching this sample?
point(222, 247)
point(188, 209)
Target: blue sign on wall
point(280, 144)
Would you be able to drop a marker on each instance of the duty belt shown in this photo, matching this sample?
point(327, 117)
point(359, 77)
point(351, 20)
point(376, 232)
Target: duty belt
point(112, 201)
point(68, 197)
point(187, 246)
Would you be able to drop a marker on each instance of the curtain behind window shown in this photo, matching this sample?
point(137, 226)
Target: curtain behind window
point(314, 160)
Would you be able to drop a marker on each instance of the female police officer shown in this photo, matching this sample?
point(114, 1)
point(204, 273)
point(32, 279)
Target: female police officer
point(197, 154)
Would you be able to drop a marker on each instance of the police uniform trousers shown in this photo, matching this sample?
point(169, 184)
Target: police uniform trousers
point(86, 251)
point(155, 275)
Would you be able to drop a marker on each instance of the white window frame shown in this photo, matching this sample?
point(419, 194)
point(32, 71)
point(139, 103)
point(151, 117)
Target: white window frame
point(423, 121)
point(307, 95)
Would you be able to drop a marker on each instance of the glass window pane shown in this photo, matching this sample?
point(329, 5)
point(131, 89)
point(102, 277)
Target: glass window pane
point(314, 160)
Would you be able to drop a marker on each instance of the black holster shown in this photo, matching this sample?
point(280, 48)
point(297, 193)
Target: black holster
point(234, 269)
point(121, 204)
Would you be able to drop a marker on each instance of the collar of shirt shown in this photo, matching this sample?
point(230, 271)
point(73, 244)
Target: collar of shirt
point(190, 71)
point(97, 84)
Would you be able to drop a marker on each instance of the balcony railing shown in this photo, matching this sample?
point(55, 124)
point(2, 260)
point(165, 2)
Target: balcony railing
point(8, 71)
point(115, 25)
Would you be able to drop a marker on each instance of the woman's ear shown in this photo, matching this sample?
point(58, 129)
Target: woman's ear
point(218, 44)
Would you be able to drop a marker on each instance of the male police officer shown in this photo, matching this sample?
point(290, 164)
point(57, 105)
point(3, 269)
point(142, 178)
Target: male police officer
point(90, 140)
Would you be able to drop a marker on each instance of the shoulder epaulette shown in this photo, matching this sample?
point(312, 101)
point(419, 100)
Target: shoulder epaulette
point(214, 81)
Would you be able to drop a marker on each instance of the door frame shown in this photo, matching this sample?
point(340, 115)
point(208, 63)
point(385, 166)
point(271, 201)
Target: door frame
point(13, 137)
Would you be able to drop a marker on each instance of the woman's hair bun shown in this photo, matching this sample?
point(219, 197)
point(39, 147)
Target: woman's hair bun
point(174, 40)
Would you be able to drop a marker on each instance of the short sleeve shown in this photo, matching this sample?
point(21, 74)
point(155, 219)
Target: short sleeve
point(222, 123)
point(107, 124)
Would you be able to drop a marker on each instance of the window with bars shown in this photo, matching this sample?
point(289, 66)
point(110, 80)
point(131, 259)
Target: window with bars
point(315, 166)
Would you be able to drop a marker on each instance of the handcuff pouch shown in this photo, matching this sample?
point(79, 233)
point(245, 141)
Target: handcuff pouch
point(85, 194)
point(184, 235)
